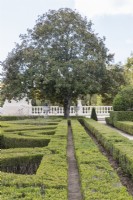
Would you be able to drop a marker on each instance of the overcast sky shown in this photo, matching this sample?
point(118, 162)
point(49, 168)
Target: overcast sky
point(111, 18)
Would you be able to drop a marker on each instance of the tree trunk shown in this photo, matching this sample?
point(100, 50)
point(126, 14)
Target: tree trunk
point(90, 99)
point(67, 104)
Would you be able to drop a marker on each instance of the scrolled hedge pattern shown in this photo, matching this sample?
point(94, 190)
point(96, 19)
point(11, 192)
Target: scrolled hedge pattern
point(50, 180)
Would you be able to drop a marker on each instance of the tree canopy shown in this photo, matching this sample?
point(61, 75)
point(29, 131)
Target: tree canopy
point(123, 101)
point(61, 57)
point(113, 83)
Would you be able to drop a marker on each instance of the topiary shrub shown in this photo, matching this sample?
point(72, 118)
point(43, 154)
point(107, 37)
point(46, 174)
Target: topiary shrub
point(123, 101)
point(93, 114)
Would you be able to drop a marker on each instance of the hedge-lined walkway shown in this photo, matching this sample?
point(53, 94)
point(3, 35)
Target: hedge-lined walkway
point(130, 137)
point(74, 192)
point(99, 180)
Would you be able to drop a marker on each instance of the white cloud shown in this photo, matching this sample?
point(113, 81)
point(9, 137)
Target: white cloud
point(129, 41)
point(94, 8)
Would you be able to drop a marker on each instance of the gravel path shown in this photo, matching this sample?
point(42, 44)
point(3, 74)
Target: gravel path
point(74, 192)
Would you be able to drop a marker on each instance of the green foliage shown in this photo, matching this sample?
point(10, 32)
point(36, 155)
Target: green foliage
point(28, 118)
point(124, 99)
point(1, 140)
point(113, 83)
point(9, 118)
point(109, 120)
point(119, 147)
point(98, 179)
point(124, 126)
point(59, 59)
point(50, 180)
point(118, 103)
point(93, 114)
point(129, 70)
point(22, 164)
point(1, 96)
point(21, 141)
point(19, 135)
point(122, 120)
point(33, 193)
point(121, 116)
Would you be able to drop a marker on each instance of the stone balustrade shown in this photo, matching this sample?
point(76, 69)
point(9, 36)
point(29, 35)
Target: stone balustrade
point(23, 107)
point(102, 111)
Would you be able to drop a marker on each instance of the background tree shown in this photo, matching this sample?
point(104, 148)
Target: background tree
point(123, 101)
point(1, 96)
point(61, 57)
point(129, 70)
point(113, 83)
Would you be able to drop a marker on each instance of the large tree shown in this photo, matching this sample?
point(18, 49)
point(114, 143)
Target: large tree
point(61, 57)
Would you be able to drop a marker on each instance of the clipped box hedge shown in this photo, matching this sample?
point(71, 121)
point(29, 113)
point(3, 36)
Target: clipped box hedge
point(23, 164)
point(121, 116)
point(14, 141)
point(20, 135)
point(50, 180)
point(9, 118)
point(98, 179)
point(117, 145)
point(122, 120)
point(33, 193)
point(30, 117)
point(109, 121)
point(124, 126)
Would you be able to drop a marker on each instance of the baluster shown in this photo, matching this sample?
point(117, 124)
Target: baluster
point(85, 110)
point(103, 110)
point(62, 110)
point(32, 110)
point(106, 109)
